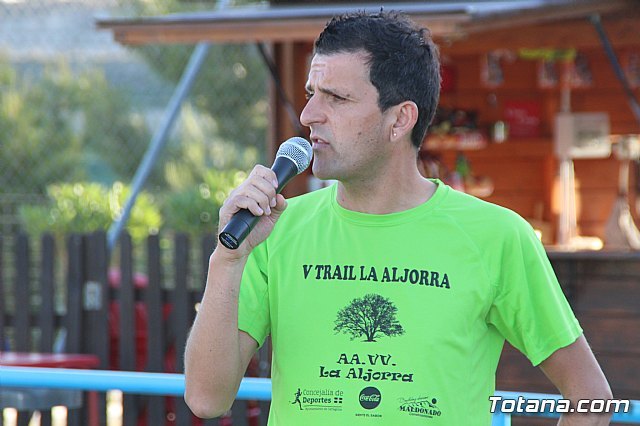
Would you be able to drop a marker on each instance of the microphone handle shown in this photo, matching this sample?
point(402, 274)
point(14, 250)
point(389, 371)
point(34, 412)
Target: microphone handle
point(243, 221)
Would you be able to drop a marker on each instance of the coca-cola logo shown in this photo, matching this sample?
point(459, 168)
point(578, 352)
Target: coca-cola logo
point(370, 398)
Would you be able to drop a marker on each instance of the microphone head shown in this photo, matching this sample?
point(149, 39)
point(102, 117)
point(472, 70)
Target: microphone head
point(297, 150)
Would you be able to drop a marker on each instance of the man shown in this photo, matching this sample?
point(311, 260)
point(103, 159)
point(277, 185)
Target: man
point(387, 296)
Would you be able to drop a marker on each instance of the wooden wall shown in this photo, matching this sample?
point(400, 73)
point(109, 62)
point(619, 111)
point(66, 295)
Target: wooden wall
point(524, 170)
point(604, 294)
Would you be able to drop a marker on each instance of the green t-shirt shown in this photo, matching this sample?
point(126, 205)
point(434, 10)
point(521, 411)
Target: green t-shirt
point(398, 319)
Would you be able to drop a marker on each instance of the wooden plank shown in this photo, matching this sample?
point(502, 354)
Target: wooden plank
point(22, 303)
point(208, 244)
point(4, 343)
point(125, 303)
point(46, 313)
point(239, 412)
point(622, 269)
point(181, 307)
point(154, 304)
point(516, 373)
point(73, 323)
point(609, 334)
point(594, 206)
point(96, 298)
point(602, 98)
point(604, 76)
point(96, 308)
point(181, 318)
point(594, 270)
point(293, 73)
point(127, 326)
point(155, 327)
point(610, 296)
point(623, 373)
point(597, 174)
point(522, 175)
point(578, 34)
point(268, 29)
point(524, 203)
point(73, 320)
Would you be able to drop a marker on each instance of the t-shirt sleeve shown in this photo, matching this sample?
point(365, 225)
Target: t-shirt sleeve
point(529, 308)
point(253, 305)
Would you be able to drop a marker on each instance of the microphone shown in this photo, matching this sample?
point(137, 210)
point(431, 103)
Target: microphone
point(292, 158)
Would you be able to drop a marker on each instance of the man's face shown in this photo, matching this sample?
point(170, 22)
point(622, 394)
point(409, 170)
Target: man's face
point(344, 118)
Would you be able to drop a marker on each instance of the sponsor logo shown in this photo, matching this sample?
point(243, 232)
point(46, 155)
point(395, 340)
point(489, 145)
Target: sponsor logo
point(318, 399)
point(370, 398)
point(420, 406)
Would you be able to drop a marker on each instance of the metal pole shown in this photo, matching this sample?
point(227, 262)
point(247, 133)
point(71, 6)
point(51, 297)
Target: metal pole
point(615, 64)
point(127, 381)
point(286, 102)
point(159, 140)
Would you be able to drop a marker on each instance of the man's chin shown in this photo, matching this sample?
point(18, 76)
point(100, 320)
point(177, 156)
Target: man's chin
point(321, 173)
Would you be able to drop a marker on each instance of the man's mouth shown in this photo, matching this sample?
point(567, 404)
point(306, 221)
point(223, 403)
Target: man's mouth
point(317, 142)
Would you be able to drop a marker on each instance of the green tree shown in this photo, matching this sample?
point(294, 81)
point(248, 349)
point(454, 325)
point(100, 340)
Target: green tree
point(231, 85)
point(65, 127)
point(195, 210)
point(114, 137)
point(201, 175)
point(85, 207)
point(36, 135)
point(371, 316)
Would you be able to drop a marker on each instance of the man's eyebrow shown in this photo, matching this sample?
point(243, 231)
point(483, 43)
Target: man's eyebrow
point(327, 90)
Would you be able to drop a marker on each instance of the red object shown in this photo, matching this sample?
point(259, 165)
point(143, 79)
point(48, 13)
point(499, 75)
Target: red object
point(523, 118)
point(140, 281)
point(28, 359)
point(449, 78)
point(51, 360)
point(141, 320)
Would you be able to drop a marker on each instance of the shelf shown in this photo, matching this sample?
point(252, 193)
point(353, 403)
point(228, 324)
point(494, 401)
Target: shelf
point(526, 147)
point(460, 141)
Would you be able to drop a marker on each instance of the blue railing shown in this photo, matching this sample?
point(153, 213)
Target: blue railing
point(250, 388)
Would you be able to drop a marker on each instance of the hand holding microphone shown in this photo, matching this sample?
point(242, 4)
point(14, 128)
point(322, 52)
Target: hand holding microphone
point(292, 158)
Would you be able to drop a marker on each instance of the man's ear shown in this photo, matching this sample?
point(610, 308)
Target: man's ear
point(404, 118)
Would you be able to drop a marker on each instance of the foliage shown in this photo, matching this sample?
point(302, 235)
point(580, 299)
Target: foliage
point(371, 316)
point(222, 127)
point(89, 207)
point(200, 151)
point(236, 69)
point(114, 138)
point(231, 84)
point(36, 135)
point(64, 127)
point(74, 127)
point(202, 174)
point(195, 210)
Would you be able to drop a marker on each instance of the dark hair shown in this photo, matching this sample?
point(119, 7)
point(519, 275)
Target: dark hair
point(403, 59)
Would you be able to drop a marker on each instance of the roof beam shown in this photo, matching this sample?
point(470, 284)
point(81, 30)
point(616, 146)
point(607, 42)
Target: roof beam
point(268, 30)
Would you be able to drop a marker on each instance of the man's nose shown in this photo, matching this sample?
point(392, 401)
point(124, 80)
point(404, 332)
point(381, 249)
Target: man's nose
point(310, 113)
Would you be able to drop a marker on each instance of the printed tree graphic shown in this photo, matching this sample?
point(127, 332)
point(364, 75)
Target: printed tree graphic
point(371, 316)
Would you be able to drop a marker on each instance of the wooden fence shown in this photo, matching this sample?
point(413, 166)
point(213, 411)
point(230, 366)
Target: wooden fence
point(137, 317)
point(133, 318)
